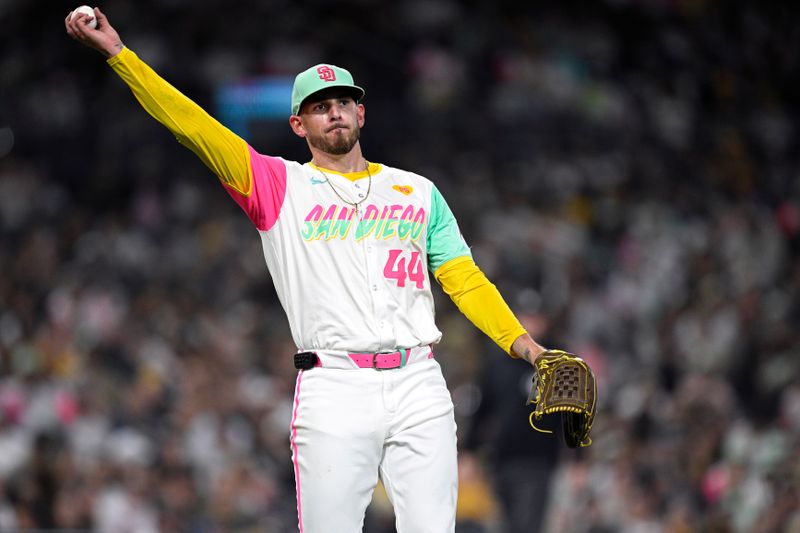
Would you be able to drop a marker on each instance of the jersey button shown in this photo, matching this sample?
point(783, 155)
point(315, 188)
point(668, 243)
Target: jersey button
point(374, 287)
point(360, 195)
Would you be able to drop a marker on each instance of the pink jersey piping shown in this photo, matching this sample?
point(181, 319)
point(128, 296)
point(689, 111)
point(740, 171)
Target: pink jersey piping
point(295, 457)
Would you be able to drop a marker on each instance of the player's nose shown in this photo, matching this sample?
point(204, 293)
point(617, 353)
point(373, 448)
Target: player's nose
point(334, 114)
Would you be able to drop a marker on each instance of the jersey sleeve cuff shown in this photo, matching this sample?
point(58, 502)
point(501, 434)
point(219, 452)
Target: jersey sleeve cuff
point(121, 56)
point(450, 263)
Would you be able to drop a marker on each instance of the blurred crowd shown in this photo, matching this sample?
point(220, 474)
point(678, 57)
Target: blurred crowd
point(627, 173)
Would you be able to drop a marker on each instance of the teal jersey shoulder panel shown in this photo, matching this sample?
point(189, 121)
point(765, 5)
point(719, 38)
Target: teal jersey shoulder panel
point(445, 241)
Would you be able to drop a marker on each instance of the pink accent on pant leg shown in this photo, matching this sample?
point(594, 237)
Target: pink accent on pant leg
point(295, 458)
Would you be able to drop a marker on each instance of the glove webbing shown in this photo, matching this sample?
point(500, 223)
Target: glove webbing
point(545, 368)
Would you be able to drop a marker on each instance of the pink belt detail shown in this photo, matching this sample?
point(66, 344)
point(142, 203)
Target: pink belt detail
point(378, 361)
point(381, 361)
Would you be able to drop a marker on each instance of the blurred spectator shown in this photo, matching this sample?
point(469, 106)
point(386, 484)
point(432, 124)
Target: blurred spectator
point(520, 459)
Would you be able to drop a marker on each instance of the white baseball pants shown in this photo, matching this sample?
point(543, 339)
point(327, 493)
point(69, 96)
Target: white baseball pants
point(350, 426)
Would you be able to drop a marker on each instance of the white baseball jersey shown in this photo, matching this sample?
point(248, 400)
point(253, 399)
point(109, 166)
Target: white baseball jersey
point(352, 278)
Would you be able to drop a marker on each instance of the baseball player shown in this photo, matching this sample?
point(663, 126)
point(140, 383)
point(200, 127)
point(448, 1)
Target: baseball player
point(351, 245)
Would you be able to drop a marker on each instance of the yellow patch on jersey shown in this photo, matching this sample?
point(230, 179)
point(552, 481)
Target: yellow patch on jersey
point(405, 189)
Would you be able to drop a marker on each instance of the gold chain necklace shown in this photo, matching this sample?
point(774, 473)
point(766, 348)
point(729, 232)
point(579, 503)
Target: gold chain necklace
point(356, 204)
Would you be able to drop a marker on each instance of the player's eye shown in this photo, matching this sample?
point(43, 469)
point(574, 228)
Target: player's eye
point(320, 107)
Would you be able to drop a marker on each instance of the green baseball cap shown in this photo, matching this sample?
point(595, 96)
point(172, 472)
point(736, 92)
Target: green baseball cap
point(318, 78)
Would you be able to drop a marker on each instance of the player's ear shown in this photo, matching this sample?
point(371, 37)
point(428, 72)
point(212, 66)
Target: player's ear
point(296, 124)
point(361, 111)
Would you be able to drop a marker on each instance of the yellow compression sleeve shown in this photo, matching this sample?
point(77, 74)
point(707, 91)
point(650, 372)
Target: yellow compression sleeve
point(224, 152)
point(480, 301)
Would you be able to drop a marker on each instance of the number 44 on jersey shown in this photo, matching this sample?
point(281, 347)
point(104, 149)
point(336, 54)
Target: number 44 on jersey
point(400, 267)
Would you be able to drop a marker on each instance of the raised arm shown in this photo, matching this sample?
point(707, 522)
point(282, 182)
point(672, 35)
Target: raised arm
point(225, 153)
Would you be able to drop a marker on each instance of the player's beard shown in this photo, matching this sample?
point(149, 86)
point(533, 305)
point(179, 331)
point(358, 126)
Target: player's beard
point(341, 144)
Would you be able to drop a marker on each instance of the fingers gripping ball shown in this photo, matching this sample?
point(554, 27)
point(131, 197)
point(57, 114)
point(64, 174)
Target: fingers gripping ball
point(88, 11)
point(564, 384)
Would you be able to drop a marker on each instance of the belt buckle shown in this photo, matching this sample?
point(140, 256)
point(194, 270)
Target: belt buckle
point(403, 359)
point(375, 361)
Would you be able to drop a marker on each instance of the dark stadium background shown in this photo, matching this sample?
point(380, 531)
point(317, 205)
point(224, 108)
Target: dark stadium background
point(627, 172)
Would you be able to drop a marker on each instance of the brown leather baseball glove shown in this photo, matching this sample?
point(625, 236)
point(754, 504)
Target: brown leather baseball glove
point(564, 384)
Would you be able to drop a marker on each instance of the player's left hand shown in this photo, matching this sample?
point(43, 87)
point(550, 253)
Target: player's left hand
point(564, 384)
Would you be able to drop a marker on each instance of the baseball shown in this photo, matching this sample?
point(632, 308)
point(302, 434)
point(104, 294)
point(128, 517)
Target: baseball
point(88, 11)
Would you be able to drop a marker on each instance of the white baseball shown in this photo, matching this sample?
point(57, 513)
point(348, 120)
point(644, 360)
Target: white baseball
point(87, 11)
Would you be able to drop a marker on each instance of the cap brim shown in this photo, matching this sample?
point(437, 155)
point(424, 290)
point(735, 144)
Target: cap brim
point(328, 92)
